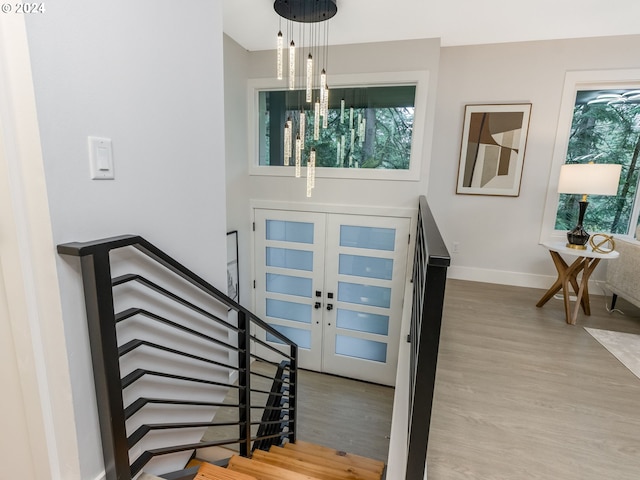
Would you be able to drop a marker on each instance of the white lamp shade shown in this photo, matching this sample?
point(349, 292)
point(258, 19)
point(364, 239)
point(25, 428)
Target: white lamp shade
point(589, 179)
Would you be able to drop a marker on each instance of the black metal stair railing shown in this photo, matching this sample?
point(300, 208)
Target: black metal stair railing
point(276, 412)
point(210, 338)
point(431, 261)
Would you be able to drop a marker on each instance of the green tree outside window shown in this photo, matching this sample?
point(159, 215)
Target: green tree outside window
point(607, 130)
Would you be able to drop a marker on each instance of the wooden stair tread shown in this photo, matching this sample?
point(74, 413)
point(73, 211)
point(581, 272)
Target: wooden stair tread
point(208, 471)
point(194, 462)
point(342, 464)
point(331, 454)
point(322, 472)
point(264, 471)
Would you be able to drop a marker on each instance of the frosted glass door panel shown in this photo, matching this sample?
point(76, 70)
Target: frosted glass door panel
point(288, 258)
point(289, 285)
point(364, 294)
point(367, 237)
point(296, 312)
point(363, 322)
point(367, 277)
point(301, 337)
point(289, 270)
point(285, 231)
point(361, 348)
point(334, 284)
point(361, 266)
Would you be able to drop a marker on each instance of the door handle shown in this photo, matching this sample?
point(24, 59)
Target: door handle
point(317, 305)
point(329, 306)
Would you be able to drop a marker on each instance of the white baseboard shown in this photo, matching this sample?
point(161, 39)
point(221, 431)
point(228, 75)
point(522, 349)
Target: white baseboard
point(516, 279)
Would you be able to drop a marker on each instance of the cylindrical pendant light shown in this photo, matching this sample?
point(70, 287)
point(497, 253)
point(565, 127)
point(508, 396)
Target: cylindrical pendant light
point(279, 50)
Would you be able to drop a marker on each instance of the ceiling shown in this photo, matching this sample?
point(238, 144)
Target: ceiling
point(254, 23)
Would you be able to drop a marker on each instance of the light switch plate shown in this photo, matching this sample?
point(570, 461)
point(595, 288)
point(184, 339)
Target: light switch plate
point(101, 158)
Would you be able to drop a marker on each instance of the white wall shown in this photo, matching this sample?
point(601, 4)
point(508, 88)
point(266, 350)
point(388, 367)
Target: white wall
point(148, 75)
point(236, 65)
point(499, 236)
point(37, 438)
point(347, 59)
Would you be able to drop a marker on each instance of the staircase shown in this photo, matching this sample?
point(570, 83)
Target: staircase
point(224, 341)
point(295, 461)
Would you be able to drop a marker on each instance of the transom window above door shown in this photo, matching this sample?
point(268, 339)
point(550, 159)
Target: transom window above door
point(367, 128)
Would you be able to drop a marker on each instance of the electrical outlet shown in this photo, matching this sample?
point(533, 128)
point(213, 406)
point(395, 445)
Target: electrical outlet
point(456, 247)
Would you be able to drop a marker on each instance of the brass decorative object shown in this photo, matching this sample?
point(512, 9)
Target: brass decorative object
point(602, 243)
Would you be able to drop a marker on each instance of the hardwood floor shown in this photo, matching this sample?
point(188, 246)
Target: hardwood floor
point(519, 394)
point(522, 395)
point(345, 414)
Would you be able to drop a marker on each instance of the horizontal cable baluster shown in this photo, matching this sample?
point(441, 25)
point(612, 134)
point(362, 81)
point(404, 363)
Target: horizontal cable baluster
point(272, 422)
point(144, 429)
point(262, 359)
point(267, 377)
point(131, 277)
point(126, 314)
point(143, 459)
point(138, 373)
point(262, 407)
point(253, 390)
point(133, 344)
point(270, 347)
point(134, 407)
point(265, 437)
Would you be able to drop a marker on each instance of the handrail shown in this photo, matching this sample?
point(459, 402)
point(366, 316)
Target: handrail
point(84, 249)
point(431, 261)
point(108, 352)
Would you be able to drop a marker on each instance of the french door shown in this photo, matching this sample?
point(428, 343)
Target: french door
point(334, 284)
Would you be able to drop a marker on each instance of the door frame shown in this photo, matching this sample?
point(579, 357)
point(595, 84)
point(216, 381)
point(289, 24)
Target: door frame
point(374, 211)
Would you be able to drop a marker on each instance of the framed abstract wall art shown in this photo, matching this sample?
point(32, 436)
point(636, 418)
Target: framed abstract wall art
point(492, 152)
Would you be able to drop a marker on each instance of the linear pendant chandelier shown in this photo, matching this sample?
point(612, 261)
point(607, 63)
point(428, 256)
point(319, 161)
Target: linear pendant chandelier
point(307, 32)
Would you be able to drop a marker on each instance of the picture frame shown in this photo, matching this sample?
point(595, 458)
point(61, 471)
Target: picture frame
point(494, 139)
point(233, 285)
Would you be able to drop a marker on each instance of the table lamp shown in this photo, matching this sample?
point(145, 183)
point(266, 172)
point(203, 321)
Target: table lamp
point(587, 179)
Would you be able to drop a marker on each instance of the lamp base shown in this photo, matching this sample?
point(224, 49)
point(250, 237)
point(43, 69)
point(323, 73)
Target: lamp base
point(578, 237)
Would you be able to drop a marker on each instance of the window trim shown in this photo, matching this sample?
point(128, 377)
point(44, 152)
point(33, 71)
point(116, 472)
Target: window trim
point(574, 81)
point(418, 78)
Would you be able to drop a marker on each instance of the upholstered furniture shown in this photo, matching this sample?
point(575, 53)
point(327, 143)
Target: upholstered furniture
point(623, 273)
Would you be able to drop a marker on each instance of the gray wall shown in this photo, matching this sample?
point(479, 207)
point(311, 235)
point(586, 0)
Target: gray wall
point(499, 236)
point(148, 75)
point(240, 65)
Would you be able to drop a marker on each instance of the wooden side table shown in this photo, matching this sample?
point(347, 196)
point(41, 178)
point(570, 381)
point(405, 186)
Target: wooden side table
point(585, 262)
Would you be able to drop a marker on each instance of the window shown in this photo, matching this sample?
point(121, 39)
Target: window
point(592, 126)
point(366, 127)
point(388, 112)
point(605, 128)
